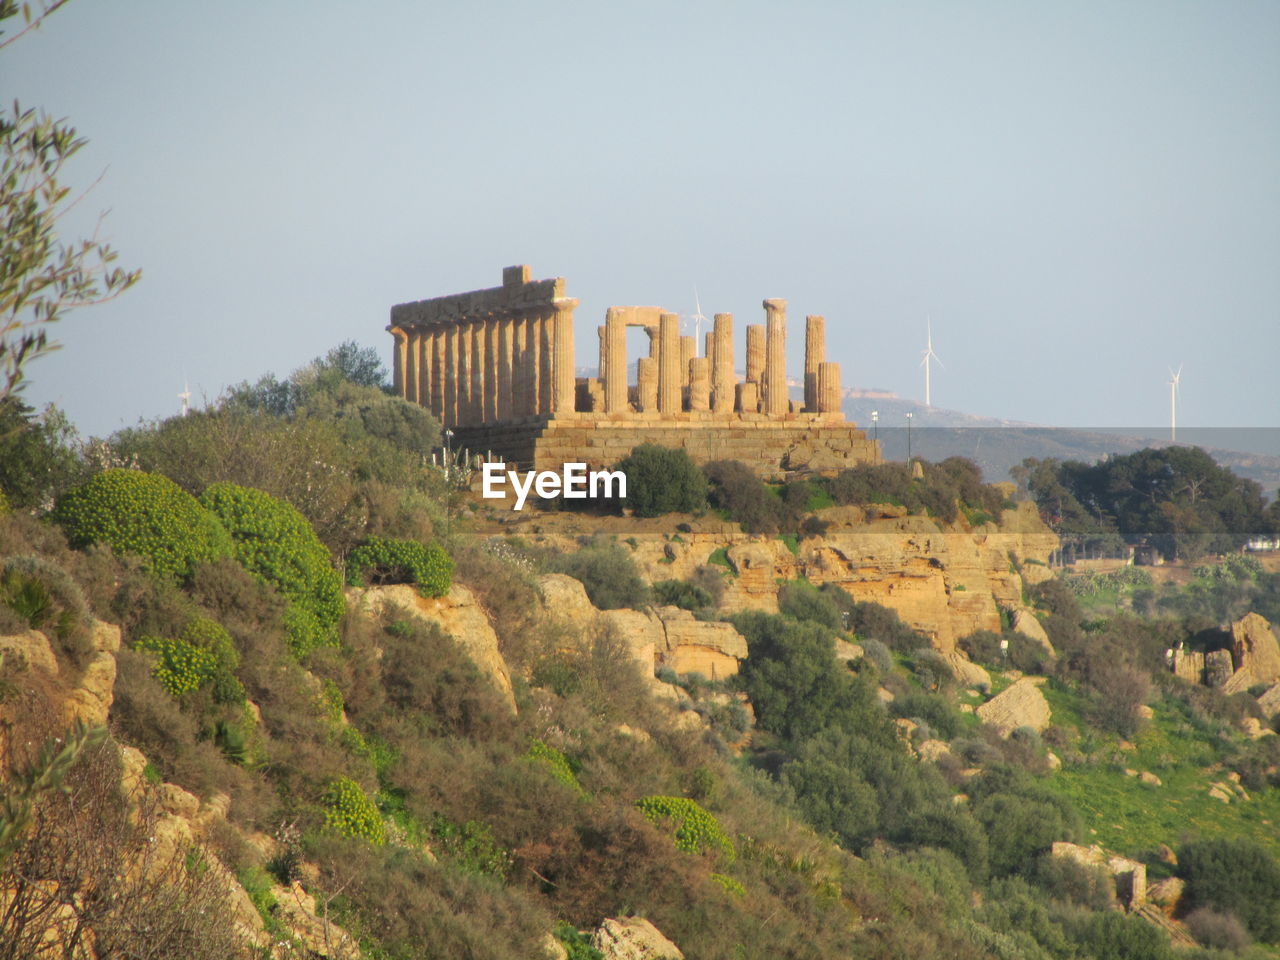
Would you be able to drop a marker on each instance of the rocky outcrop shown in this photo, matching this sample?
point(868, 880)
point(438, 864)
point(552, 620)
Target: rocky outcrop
point(91, 700)
point(663, 636)
point(633, 938)
point(457, 614)
point(1026, 623)
point(1255, 654)
point(1021, 705)
point(1270, 701)
point(689, 645)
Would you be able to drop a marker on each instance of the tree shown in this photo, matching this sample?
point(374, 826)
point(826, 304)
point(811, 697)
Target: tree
point(662, 480)
point(42, 276)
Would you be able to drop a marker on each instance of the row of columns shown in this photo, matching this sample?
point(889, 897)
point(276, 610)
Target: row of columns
point(673, 367)
point(489, 370)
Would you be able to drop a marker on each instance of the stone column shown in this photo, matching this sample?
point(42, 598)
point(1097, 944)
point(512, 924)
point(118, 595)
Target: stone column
point(450, 375)
point(748, 397)
point(411, 367)
point(828, 387)
point(490, 412)
point(564, 396)
point(722, 364)
point(424, 367)
point(755, 353)
point(669, 379)
point(601, 360)
point(466, 394)
point(647, 384)
point(506, 330)
point(479, 360)
point(699, 384)
point(815, 353)
point(688, 350)
point(399, 351)
point(532, 363)
point(776, 402)
point(615, 362)
point(437, 373)
point(546, 373)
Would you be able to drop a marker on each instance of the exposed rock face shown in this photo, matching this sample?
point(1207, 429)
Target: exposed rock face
point(32, 648)
point(1270, 701)
point(1025, 623)
point(633, 938)
point(1218, 668)
point(1021, 705)
point(459, 615)
point(321, 937)
point(712, 649)
point(1255, 653)
point(666, 636)
point(95, 691)
point(944, 582)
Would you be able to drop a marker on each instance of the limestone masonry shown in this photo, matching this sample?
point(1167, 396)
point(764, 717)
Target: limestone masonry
point(497, 367)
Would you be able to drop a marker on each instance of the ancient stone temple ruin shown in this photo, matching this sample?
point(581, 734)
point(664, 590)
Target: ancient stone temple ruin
point(496, 366)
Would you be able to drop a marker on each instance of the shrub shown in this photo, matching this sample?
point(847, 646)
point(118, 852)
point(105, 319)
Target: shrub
point(208, 635)
point(1220, 931)
point(181, 667)
point(803, 601)
point(1120, 937)
point(735, 489)
point(697, 831)
point(680, 593)
point(662, 480)
point(881, 623)
point(1234, 875)
point(427, 566)
point(608, 572)
point(471, 846)
point(144, 514)
point(350, 813)
point(45, 598)
point(274, 541)
point(557, 762)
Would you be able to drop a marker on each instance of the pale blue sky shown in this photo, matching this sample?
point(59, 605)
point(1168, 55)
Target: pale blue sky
point(1081, 195)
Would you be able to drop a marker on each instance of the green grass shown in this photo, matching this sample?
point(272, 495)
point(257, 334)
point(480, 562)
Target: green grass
point(792, 542)
point(720, 557)
point(1131, 817)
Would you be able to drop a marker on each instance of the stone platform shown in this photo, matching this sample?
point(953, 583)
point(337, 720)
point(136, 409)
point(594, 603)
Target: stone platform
point(774, 448)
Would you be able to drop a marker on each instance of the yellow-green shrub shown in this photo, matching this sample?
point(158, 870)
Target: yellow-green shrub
point(273, 541)
point(144, 514)
point(378, 560)
point(697, 831)
point(350, 812)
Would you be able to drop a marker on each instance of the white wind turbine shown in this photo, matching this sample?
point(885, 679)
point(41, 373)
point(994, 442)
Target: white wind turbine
point(1174, 380)
point(185, 397)
point(927, 355)
point(697, 318)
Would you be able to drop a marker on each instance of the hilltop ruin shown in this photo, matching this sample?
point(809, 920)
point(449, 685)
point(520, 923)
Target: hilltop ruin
point(496, 366)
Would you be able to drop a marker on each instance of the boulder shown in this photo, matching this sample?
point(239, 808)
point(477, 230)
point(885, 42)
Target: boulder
point(633, 938)
point(1255, 653)
point(1167, 892)
point(1270, 701)
point(1021, 705)
point(1025, 623)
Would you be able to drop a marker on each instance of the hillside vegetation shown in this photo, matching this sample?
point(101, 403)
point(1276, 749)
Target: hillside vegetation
point(339, 724)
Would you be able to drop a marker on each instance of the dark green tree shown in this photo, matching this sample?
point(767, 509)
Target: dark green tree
point(662, 480)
